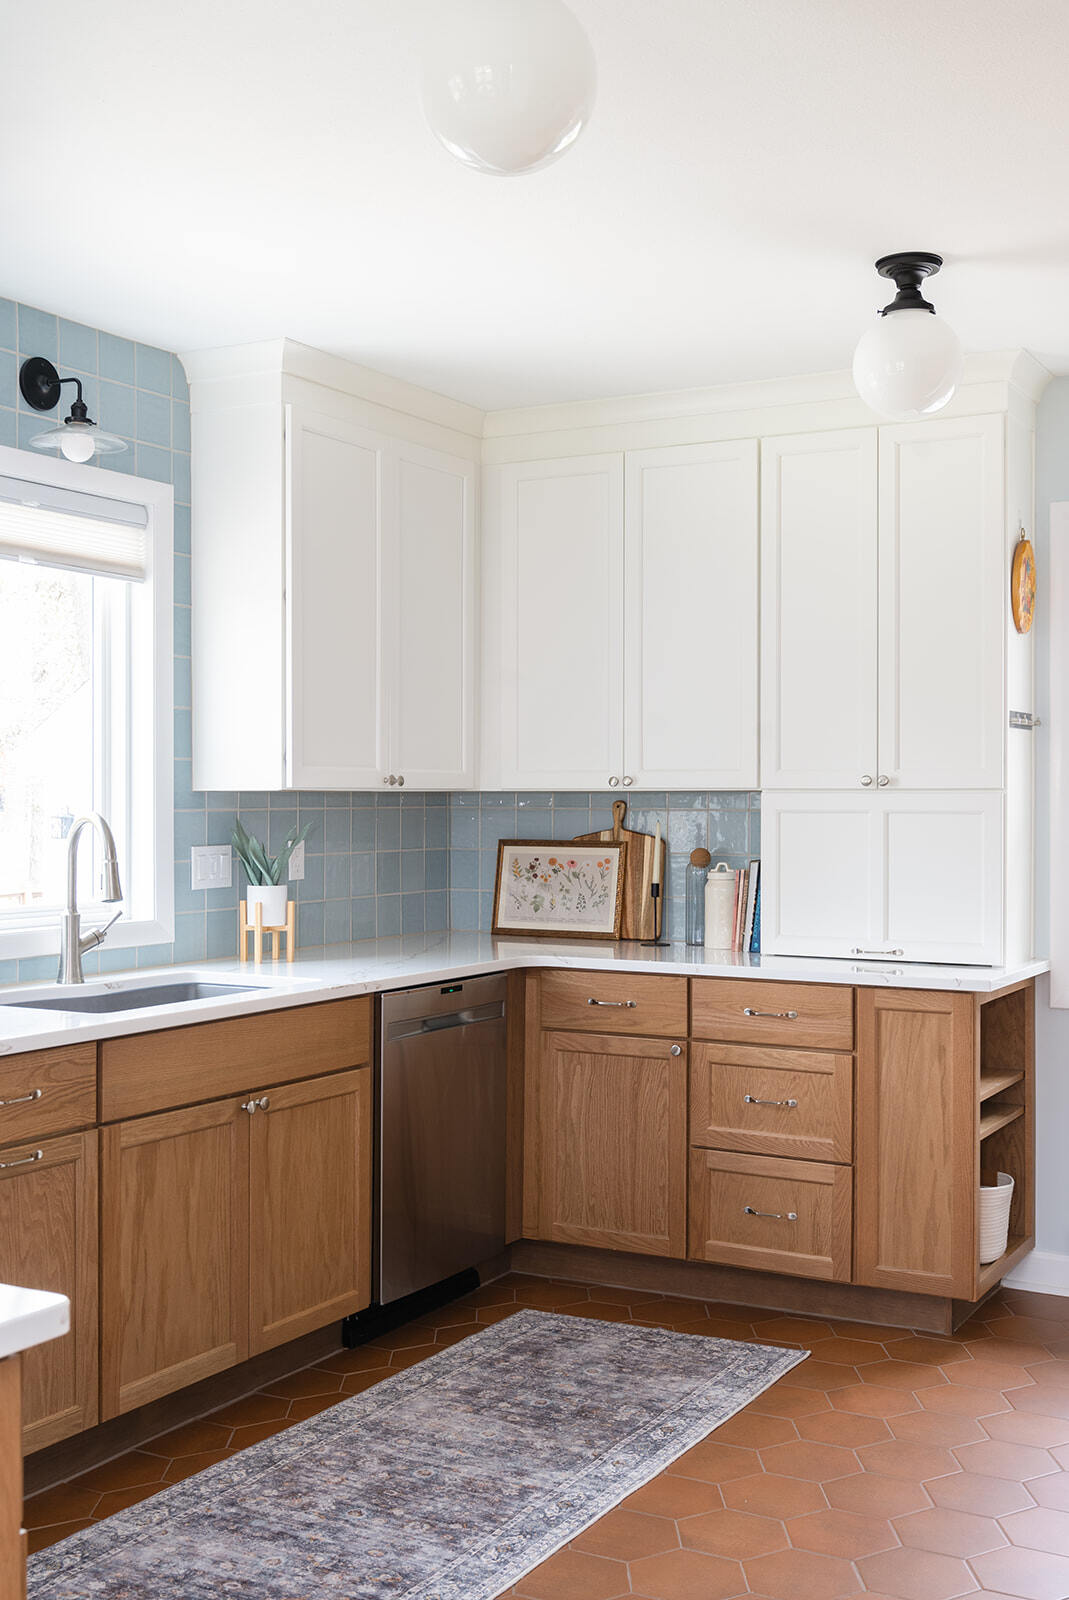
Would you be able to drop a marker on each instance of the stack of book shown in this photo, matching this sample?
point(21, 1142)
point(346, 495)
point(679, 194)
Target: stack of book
point(748, 908)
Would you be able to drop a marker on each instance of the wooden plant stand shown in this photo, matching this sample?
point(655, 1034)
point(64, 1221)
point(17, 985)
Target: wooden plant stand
point(257, 928)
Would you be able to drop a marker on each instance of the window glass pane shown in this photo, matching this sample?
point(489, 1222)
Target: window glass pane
point(48, 655)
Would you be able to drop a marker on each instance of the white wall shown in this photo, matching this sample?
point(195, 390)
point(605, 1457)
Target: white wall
point(1048, 1266)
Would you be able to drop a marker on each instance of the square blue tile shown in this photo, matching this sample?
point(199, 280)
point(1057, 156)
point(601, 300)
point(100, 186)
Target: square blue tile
point(8, 428)
point(190, 937)
point(388, 872)
point(387, 916)
point(335, 800)
point(33, 968)
point(437, 869)
point(413, 828)
point(567, 824)
point(77, 346)
point(413, 913)
point(311, 886)
point(464, 869)
point(153, 369)
point(152, 462)
point(361, 873)
point(536, 823)
point(153, 419)
point(9, 382)
point(183, 631)
point(688, 830)
point(183, 733)
point(464, 827)
point(436, 828)
point(280, 824)
point(116, 358)
point(363, 917)
point(183, 533)
point(336, 882)
point(38, 333)
point(183, 580)
point(222, 933)
point(413, 870)
point(190, 828)
point(185, 797)
point(464, 910)
point(7, 342)
point(155, 955)
point(363, 831)
point(387, 830)
point(180, 477)
point(336, 828)
point(183, 681)
point(336, 922)
point(310, 922)
point(437, 912)
point(729, 833)
point(179, 425)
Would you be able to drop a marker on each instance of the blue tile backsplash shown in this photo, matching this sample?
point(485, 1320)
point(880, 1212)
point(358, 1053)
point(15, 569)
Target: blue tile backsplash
point(376, 865)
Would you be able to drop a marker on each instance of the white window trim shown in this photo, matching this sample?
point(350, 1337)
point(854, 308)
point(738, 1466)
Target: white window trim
point(151, 786)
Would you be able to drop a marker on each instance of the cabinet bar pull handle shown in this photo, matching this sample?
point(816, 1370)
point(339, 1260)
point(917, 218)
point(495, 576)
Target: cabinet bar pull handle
point(857, 951)
point(629, 1005)
point(776, 1216)
point(24, 1099)
point(789, 1016)
point(23, 1161)
point(752, 1100)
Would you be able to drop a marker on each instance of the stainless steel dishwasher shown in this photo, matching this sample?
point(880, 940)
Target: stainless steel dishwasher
point(441, 1133)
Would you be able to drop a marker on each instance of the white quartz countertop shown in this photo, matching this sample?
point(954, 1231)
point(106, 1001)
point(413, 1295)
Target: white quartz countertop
point(334, 972)
point(29, 1317)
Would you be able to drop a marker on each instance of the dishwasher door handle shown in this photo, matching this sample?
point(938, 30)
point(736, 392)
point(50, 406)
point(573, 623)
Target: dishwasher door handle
point(449, 1019)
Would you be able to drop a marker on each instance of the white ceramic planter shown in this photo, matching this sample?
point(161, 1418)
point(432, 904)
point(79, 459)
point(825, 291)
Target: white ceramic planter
point(272, 897)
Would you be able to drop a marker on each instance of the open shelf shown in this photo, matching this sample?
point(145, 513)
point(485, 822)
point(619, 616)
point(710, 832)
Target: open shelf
point(987, 1276)
point(994, 1082)
point(998, 1117)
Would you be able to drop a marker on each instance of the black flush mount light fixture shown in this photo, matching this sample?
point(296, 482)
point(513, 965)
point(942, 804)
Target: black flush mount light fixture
point(910, 363)
point(78, 436)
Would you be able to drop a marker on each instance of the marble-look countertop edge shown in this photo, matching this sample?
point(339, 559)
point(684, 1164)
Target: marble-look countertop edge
point(30, 1317)
point(342, 971)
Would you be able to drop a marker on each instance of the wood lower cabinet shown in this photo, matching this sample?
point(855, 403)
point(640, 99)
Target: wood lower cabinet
point(606, 1145)
point(775, 1215)
point(174, 1226)
point(48, 1240)
point(772, 1102)
point(309, 1206)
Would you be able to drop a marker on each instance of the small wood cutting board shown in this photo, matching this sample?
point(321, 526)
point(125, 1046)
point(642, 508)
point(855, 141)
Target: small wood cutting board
point(638, 906)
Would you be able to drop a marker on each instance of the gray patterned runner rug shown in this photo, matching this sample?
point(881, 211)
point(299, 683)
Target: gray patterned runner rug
point(446, 1482)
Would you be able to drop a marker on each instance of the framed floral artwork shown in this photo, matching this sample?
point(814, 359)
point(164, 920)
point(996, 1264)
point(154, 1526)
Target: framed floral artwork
point(559, 888)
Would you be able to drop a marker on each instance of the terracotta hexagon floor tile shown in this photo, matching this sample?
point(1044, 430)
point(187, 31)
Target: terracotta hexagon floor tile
point(550, 1296)
point(301, 1410)
point(1028, 1427)
point(1028, 1330)
point(901, 1458)
point(949, 1533)
point(251, 1408)
point(784, 1400)
point(241, 1438)
point(825, 1376)
point(299, 1385)
point(1029, 1574)
point(848, 1352)
point(41, 1538)
point(360, 1360)
point(1009, 1352)
point(733, 1534)
point(846, 1428)
point(447, 1336)
point(64, 1503)
point(917, 1575)
point(878, 1333)
point(874, 1495)
point(715, 1462)
point(411, 1357)
point(687, 1575)
point(1046, 1399)
point(817, 1463)
point(800, 1575)
point(626, 1535)
point(929, 1350)
point(893, 1374)
point(937, 1427)
point(872, 1400)
point(126, 1472)
point(793, 1330)
point(187, 1466)
point(672, 1496)
point(964, 1401)
point(847, 1534)
point(993, 1459)
point(190, 1440)
point(357, 1382)
point(1041, 1529)
point(488, 1315)
point(987, 1497)
point(1051, 1491)
point(755, 1431)
point(122, 1499)
point(767, 1495)
point(981, 1374)
point(571, 1575)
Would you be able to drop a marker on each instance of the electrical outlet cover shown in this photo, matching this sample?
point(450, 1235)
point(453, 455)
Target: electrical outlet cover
point(297, 863)
point(212, 866)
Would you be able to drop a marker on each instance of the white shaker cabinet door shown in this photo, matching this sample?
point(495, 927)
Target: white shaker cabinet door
point(431, 616)
point(553, 614)
point(691, 617)
point(821, 877)
point(336, 736)
point(944, 873)
point(943, 578)
point(818, 610)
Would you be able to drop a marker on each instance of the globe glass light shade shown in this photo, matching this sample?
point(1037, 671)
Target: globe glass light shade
point(79, 441)
point(508, 85)
point(908, 365)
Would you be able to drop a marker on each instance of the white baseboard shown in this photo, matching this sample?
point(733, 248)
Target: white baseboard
point(1042, 1271)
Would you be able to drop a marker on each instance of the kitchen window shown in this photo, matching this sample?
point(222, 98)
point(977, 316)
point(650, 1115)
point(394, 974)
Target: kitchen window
point(85, 696)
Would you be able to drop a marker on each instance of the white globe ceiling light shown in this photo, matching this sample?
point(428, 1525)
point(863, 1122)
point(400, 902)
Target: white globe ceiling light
point(508, 85)
point(910, 363)
point(77, 437)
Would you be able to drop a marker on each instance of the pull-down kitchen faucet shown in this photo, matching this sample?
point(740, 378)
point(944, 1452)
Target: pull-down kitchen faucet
point(72, 945)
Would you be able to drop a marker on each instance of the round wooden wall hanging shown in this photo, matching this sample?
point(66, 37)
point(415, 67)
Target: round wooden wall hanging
point(1023, 584)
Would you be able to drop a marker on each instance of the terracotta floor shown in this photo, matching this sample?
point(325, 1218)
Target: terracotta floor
point(888, 1465)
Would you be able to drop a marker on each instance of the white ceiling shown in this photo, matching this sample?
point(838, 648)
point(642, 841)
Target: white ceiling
point(220, 171)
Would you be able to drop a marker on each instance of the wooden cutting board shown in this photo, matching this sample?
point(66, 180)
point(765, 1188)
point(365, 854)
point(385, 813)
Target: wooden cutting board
point(638, 905)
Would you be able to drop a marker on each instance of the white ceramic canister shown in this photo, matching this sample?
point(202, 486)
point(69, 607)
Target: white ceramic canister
point(720, 908)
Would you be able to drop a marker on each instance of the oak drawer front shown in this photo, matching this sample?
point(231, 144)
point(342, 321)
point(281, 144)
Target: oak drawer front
point(615, 1002)
point(749, 1011)
point(777, 1216)
point(48, 1091)
point(764, 1101)
point(208, 1060)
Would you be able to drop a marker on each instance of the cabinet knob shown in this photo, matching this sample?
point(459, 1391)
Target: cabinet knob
point(866, 782)
point(262, 1104)
point(400, 783)
point(882, 781)
point(391, 780)
point(614, 783)
point(628, 782)
point(386, 780)
point(676, 1050)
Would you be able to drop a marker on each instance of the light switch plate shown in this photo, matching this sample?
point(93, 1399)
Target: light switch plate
point(297, 862)
point(212, 866)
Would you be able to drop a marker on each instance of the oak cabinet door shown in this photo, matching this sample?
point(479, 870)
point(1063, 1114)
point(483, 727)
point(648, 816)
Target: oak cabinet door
point(174, 1278)
point(609, 1159)
point(48, 1240)
point(916, 1141)
point(310, 1206)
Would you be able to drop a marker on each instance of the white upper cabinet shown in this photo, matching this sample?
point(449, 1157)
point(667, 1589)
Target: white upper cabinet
point(553, 610)
point(620, 629)
point(818, 610)
point(943, 587)
point(690, 619)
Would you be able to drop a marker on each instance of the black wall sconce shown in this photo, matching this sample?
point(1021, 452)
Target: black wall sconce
point(78, 437)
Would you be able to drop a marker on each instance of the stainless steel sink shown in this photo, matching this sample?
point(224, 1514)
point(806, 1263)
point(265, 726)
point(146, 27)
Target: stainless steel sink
point(159, 994)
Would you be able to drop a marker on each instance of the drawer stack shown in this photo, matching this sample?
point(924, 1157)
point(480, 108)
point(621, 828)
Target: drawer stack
point(771, 1126)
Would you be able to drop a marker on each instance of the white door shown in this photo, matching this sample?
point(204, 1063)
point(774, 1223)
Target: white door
point(943, 856)
point(431, 614)
point(821, 877)
point(818, 610)
point(554, 607)
point(942, 583)
point(690, 617)
point(336, 736)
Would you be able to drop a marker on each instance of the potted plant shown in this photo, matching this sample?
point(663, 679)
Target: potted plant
point(266, 874)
